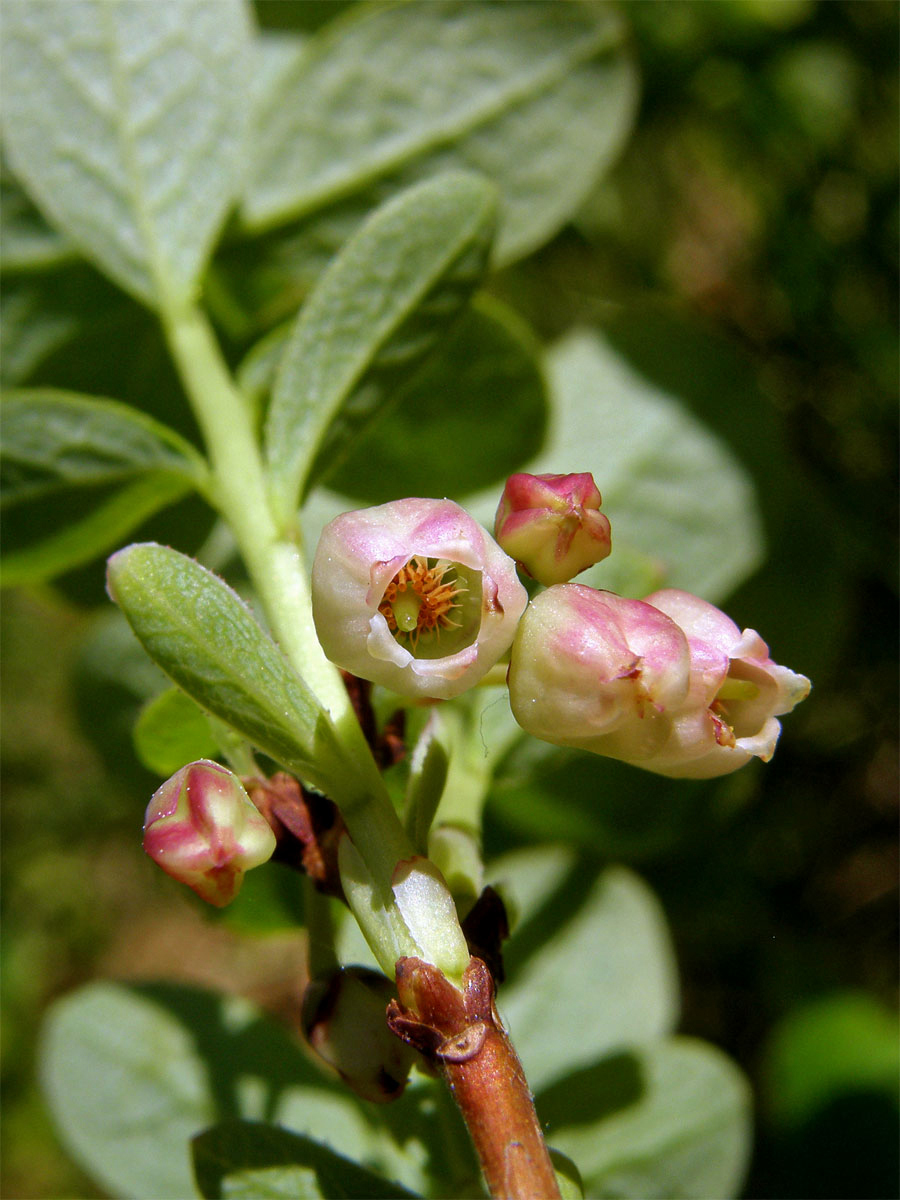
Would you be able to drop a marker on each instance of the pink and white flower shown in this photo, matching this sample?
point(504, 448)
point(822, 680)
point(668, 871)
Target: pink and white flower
point(414, 595)
point(552, 525)
point(669, 683)
point(203, 829)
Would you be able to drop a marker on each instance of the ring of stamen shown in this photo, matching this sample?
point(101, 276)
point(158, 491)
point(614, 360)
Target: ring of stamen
point(418, 601)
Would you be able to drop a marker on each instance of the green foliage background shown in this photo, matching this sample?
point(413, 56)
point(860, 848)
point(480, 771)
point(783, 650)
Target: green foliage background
point(741, 255)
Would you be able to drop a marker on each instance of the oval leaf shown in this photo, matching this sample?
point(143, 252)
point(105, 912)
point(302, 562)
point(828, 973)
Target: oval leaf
point(672, 1119)
point(538, 97)
point(375, 312)
point(125, 123)
point(607, 979)
point(206, 640)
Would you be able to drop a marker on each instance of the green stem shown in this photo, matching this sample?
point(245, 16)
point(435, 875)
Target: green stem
point(275, 565)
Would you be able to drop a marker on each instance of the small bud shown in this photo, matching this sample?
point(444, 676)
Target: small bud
point(203, 829)
point(552, 525)
point(593, 670)
point(414, 595)
point(344, 1019)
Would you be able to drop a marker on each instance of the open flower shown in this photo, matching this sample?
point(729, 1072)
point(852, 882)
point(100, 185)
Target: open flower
point(552, 525)
point(203, 829)
point(594, 670)
point(414, 595)
point(736, 693)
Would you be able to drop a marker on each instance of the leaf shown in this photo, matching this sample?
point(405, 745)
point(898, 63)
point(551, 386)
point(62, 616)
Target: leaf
point(77, 474)
point(476, 411)
point(243, 1159)
point(131, 1073)
point(125, 123)
point(538, 97)
point(171, 731)
point(671, 1119)
point(378, 309)
point(206, 640)
point(682, 508)
point(53, 441)
point(606, 977)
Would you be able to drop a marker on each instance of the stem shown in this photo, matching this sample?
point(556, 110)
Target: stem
point(492, 1094)
point(275, 565)
point(463, 1036)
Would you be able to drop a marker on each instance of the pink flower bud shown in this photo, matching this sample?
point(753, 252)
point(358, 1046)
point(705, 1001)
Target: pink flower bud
point(203, 829)
point(736, 693)
point(344, 1019)
point(593, 670)
point(552, 525)
point(414, 595)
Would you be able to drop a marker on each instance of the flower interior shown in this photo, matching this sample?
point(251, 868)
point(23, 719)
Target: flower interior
point(433, 606)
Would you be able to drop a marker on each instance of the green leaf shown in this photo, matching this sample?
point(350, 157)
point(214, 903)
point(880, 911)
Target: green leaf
point(682, 508)
point(77, 474)
point(243, 1160)
point(377, 310)
point(54, 441)
point(125, 123)
point(207, 641)
point(671, 1119)
point(605, 979)
point(472, 416)
point(131, 1073)
point(171, 731)
point(538, 97)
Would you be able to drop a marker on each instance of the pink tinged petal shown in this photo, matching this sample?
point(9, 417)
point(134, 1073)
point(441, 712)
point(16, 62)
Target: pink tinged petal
point(202, 828)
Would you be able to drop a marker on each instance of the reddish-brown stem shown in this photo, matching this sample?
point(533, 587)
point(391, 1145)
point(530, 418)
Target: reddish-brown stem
point(462, 1035)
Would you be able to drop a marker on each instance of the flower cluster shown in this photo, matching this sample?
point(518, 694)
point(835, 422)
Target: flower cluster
point(416, 596)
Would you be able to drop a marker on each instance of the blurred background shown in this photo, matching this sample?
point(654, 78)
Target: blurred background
point(743, 255)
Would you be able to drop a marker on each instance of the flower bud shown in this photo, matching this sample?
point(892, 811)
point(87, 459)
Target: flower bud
point(736, 693)
point(596, 671)
point(414, 595)
point(344, 1019)
point(203, 829)
point(552, 525)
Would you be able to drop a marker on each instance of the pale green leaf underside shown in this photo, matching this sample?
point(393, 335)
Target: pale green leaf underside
point(434, 86)
point(207, 641)
point(616, 945)
point(683, 509)
point(131, 1074)
point(682, 1127)
point(125, 123)
point(391, 290)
